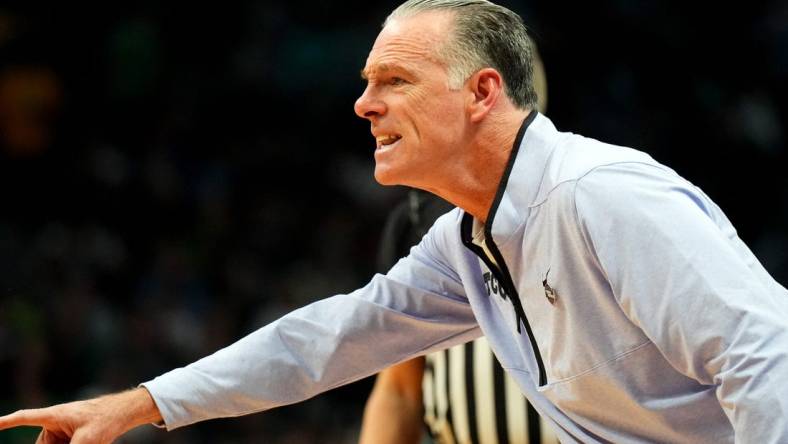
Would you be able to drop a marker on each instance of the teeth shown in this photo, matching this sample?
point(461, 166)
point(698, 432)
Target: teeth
point(387, 139)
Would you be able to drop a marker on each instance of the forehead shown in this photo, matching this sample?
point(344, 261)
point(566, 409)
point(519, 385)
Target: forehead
point(410, 41)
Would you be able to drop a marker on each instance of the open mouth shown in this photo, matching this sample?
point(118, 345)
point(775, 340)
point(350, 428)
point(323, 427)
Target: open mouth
point(387, 140)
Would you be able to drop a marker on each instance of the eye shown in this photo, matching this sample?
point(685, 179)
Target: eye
point(396, 81)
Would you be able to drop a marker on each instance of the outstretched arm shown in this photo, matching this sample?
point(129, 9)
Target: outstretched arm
point(95, 421)
point(393, 414)
point(417, 308)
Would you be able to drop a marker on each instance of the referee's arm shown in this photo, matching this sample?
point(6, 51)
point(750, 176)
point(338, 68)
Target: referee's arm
point(393, 414)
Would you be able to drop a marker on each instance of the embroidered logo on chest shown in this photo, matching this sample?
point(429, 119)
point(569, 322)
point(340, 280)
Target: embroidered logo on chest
point(549, 292)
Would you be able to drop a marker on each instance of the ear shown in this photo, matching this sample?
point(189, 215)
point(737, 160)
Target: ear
point(485, 88)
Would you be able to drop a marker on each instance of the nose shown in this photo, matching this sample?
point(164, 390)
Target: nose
point(368, 105)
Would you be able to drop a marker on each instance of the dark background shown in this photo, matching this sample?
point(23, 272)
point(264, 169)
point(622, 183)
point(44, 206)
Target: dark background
point(174, 175)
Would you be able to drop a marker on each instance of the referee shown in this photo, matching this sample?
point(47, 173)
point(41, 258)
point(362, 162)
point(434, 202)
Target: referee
point(462, 394)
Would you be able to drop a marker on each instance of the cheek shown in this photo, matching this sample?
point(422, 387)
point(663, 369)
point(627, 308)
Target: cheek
point(443, 117)
point(418, 102)
point(435, 116)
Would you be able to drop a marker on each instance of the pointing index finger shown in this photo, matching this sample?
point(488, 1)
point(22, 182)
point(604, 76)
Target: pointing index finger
point(36, 417)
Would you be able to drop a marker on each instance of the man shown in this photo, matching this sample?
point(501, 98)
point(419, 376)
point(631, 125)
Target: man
point(615, 292)
point(462, 394)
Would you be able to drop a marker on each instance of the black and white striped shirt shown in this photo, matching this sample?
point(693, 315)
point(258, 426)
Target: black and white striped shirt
point(469, 398)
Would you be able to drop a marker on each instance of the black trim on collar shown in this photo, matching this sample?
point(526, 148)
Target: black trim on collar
point(514, 297)
point(467, 227)
point(507, 172)
point(466, 234)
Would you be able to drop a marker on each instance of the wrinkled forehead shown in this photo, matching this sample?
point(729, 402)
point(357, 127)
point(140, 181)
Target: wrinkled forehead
point(413, 40)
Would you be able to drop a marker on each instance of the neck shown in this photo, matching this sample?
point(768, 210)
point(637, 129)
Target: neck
point(479, 167)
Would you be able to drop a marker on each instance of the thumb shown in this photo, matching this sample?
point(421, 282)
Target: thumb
point(81, 437)
point(47, 437)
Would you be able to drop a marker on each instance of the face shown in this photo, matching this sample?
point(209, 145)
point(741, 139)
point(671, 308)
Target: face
point(416, 120)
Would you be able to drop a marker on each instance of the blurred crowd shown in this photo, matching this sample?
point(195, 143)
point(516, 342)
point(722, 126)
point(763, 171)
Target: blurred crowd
point(173, 176)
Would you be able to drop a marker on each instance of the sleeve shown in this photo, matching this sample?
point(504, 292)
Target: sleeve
point(418, 307)
point(679, 272)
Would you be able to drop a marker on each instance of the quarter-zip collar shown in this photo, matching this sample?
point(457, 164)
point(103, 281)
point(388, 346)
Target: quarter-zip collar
point(518, 189)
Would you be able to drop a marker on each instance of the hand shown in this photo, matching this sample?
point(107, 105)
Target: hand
point(96, 421)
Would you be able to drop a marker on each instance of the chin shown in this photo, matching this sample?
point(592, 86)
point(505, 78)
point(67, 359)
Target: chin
point(389, 177)
point(385, 177)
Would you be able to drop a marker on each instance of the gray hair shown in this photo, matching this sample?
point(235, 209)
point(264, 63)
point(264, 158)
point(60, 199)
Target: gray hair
point(484, 35)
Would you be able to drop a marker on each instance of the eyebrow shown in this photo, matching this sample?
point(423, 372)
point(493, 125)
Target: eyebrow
point(383, 67)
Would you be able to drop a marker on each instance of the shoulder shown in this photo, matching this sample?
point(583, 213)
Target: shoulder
point(633, 184)
point(577, 157)
point(639, 201)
